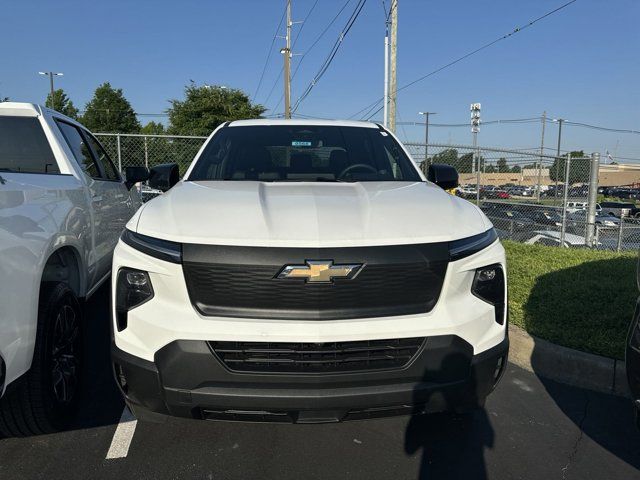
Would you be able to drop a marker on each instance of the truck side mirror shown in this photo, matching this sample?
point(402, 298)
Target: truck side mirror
point(445, 176)
point(134, 175)
point(163, 177)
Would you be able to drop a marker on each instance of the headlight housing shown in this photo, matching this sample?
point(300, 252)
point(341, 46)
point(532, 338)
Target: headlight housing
point(468, 246)
point(155, 247)
point(489, 285)
point(133, 288)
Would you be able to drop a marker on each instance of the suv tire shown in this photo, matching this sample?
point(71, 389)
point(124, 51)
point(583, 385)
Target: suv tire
point(45, 398)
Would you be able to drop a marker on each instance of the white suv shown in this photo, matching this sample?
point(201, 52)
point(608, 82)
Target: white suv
point(305, 271)
point(63, 206)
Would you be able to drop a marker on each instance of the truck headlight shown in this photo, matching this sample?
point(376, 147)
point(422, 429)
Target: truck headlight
point(489, 285)
point(133, 288)
point(155, 247)
point(468, 246)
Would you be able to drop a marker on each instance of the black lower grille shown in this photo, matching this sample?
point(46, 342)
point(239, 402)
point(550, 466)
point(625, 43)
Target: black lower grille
point(330, 357)
point(243, 281)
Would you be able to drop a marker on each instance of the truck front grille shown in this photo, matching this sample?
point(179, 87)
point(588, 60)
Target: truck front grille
point(328, 357)
point(243, 281)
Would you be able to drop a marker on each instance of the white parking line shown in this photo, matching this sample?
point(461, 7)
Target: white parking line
point(123, 435)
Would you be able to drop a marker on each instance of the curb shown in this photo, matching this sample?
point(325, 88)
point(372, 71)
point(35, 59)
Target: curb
point(566, 365)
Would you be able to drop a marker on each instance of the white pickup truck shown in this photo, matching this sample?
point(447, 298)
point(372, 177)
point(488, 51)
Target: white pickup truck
point(63, 205)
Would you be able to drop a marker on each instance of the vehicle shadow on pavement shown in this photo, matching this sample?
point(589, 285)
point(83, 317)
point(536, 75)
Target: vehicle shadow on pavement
point(453, 445)
point(574, 304)
point(100, 402)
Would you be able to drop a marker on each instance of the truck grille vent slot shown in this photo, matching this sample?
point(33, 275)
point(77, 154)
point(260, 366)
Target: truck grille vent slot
point(330, 357)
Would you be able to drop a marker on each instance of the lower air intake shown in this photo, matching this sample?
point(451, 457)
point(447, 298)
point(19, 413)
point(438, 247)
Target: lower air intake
point(329, 357)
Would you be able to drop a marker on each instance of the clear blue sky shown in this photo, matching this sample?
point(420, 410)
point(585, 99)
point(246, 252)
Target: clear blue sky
point(582, 64)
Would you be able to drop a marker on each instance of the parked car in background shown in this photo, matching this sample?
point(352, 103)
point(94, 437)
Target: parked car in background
point(553, 238)
point(334, 284)
point(546, 217)
point(63, 206)
point(509, 220)
point(620, 209)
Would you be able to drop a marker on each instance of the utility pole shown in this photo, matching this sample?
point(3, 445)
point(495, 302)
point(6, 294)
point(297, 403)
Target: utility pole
point(544, 122)
point(51, 75)
point(426, 135)
point(393, 85)
point(287, 65)
point(385, 114)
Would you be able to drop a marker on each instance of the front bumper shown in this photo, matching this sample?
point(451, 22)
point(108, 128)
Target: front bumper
point(186, 379)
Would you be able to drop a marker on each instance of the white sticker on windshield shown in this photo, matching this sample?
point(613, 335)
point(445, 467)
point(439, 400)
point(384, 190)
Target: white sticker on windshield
point(299, 143)
point(384, 134)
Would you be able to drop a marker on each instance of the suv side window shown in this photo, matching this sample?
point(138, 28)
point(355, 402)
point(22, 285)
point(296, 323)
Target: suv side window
point(80, 149)
point(109, 169)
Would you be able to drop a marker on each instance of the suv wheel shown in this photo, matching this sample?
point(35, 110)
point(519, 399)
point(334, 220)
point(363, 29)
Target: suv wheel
point(44, 399)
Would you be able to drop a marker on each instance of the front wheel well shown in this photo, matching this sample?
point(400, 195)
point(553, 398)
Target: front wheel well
point(64, 266)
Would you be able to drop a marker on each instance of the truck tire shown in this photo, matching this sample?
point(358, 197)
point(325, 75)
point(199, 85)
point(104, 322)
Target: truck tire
point(45, 398)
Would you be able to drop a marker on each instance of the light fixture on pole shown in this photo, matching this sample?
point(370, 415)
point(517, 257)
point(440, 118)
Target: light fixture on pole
point(426, 135)
point(51, 75)
point(475, 128)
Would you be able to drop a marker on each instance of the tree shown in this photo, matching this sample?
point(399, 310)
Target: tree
point(153, 128)
point(61, 103)
point(109, 111)
point(490, 168)
point(579, 170)
point(205, 108)
point(502, 166)
point(516, 169)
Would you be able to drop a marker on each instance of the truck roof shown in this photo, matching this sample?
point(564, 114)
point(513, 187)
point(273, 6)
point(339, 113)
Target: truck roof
point(301, 121)
point(24, 109)
point(20, 109)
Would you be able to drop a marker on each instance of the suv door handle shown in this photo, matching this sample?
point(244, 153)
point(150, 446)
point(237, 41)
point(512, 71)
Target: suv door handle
point(96, 198)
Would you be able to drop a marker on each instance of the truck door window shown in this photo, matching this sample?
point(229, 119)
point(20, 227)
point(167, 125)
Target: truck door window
point(24, 147)
point(103, 159)
point(80, 150)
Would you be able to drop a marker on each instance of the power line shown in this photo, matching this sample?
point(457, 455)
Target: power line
point(266, 62)
point(467, 55)
point(332, 53)
point(313, 45)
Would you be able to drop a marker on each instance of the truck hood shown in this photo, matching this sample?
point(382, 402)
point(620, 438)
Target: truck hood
point(308, 214)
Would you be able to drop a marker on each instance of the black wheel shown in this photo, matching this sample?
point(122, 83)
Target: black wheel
point(44, 399)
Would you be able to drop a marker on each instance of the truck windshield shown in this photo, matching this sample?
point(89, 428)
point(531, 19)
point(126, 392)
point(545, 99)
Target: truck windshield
point(24, 147)
point(309, 153)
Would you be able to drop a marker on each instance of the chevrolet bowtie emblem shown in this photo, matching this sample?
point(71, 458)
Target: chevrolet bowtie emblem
point(320, 271)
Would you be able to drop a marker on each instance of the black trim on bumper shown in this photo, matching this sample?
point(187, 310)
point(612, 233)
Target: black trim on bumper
point(187, 380)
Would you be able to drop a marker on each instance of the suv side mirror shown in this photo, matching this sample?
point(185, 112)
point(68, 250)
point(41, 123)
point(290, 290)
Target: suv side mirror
point(134, 175)
point(445, 176)
point(163, 177)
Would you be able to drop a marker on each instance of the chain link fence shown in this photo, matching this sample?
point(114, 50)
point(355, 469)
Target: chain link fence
point(529, 197)
point(538, 199)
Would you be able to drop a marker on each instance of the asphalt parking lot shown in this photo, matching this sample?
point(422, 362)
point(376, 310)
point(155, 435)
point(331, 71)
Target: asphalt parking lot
point(531, 428)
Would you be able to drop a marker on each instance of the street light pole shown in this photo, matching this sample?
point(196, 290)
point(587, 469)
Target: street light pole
point(51, 75)
point(475, 128)
point(426, 135)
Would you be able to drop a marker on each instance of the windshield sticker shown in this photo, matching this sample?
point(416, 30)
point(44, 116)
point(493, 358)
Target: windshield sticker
point(384, 134)
point(300, 143)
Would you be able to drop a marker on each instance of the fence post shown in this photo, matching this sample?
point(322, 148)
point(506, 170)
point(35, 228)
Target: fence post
point(620, 226)
point(119, 152)
point(593, 198)
point(563, 229)
point(476, 154)
point(146, 153)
